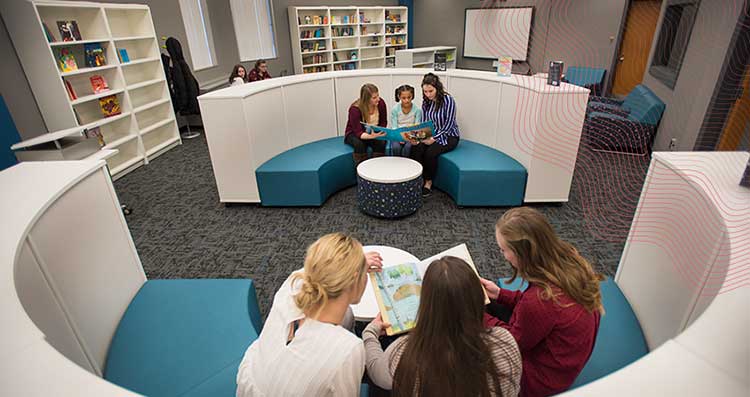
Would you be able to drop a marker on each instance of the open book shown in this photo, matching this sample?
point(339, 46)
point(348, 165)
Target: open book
point(417, 132)
point(397, 289)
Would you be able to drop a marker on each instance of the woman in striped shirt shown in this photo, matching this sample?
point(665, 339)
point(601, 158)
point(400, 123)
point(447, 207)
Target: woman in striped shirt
point(440, 108)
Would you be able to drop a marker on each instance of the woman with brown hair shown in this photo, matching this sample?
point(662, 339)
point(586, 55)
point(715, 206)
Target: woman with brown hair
point(370, 108)
point(449, 352)
point(555, 321)
point(305, 347)
point(238, 76)
point(259, 71)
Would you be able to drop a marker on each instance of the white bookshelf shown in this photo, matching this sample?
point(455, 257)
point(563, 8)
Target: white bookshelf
point(425, 57)
point(146, 126)
point(346, 38)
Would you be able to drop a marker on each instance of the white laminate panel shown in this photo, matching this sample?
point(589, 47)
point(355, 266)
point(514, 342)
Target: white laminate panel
point(267, 126)
point(43, 309)
point(85, 250)
point(319, 118)
point(476, 115)
point(347, 91)
point(509, 138)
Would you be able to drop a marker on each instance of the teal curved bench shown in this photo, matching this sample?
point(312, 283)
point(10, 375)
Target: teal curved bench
point(184, 337)
point(478, 175)
point(620, 339)
point(306, 175)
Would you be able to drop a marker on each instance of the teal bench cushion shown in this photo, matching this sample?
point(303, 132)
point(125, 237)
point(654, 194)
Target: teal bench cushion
point(478, 175)
point(306, 175)
point(620, 340)
point(184, 337)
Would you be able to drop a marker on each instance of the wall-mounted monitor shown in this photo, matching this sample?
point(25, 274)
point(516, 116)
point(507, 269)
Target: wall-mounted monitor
point(493, 32)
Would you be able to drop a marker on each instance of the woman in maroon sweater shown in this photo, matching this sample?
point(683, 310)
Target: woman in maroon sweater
point(370, 108)
point(555, 321)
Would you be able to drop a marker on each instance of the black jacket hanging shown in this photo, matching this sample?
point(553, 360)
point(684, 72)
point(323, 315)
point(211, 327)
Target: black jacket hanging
point(185, 85)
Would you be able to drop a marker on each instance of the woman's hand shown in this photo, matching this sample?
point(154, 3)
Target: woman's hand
point(493, 290)
point(374, 262)
point(372, 135)
point(429, 141)
point(380, 324)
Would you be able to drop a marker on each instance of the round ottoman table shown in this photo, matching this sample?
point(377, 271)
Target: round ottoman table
point(389, 187)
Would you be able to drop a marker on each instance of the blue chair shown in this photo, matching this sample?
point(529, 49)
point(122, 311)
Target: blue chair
point(591, 78)
point(620, 340)
point(624, 127)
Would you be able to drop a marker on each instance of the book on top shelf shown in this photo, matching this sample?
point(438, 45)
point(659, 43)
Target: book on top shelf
point(110, 106)
point(98, 84)
point(69, 30)
point(397, 289)
point(94, 54)
point(67, 61)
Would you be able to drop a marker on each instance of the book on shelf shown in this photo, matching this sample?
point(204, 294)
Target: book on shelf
point(67, 61)
point(94, 133)
point(504, 66)
point(48, 33)
point(110, 106)
point(123, 53)
point(98, 84)
point(554, 75)
point(69, 88)
point(397, 289)
point(439, 63)
point(417, 132)
point(94, 55)
point(69, 30)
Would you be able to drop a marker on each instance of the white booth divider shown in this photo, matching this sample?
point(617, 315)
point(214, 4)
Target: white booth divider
point(536, 124)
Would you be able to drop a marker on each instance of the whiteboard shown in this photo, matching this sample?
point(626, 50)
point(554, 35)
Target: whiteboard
point(493, 32)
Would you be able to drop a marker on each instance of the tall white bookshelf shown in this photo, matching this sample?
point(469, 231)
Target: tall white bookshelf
point(346, 38)
point(146, 126)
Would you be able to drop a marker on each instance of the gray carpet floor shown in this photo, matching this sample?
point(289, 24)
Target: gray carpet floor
point(182, 231)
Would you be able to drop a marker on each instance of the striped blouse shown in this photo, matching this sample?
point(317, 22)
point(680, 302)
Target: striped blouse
point(444, 118)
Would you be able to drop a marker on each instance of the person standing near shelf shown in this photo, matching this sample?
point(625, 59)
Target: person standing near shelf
point(238, 76)
point(370, 108)
point(404, 114)
point(259, 72)
point(439, 107)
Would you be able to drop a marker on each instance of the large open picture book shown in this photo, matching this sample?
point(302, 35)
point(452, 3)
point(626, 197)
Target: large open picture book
point(398, 286)
point(417, 132)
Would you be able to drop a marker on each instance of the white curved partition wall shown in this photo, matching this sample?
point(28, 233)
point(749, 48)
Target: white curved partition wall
point(536, 124)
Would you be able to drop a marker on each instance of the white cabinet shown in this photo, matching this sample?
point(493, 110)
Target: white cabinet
point(346, 38)
point(425, 57)
point(145, 127)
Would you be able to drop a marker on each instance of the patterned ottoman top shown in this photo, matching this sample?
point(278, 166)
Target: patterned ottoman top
point(389, 169)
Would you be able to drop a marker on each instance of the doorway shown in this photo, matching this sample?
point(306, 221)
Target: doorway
point(637, 36)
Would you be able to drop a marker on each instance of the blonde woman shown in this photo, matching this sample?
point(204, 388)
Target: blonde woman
point(370, 108)
point(555, 321)
point(305, 347)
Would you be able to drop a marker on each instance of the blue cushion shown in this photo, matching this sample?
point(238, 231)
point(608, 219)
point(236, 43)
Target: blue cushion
point(584, 76)
point(478, 175)
point(306, 175)
point(647, 109)
point(620, 340)
point(184, 337)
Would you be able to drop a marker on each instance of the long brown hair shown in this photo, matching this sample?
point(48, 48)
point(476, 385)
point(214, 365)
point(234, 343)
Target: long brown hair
point(433, 80)
point(446, 353)
point(547, 261)
point(363, 103)
point(236, 73)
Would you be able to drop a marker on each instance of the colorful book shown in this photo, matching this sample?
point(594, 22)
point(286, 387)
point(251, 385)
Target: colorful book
point(110, 106)
point(417, 132)
point(95, 132)
point(397, 289)
point(439, 63)
point(124, 57)
point(71, 93)
point(69, 30)
point(94, 54)
point(504, 66)
point(98, 84)
point(67, 61)
point(50, 37)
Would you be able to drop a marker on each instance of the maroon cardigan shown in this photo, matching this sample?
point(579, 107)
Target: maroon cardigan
point(354, 125)
point(555, 341)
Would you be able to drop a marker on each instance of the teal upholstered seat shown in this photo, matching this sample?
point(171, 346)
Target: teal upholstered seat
point(591, 78)
point(478, 175)
point(306, 175)
point(620, 340)
point(184, 337)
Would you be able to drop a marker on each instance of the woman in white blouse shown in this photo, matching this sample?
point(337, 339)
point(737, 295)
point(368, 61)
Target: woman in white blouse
point(305, 347)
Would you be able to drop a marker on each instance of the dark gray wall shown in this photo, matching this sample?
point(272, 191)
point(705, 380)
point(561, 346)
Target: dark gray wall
point(688, 103)
point(581, 32)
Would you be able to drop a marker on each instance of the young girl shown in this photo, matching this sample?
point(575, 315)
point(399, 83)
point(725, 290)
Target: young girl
point(404, 114)
point(305, 347)
point(238, 76)
point(449, 352)
point(555, 321)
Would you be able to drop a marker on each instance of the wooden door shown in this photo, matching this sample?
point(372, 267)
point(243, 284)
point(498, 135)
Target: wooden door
point(738, 120)
point(636, 44)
